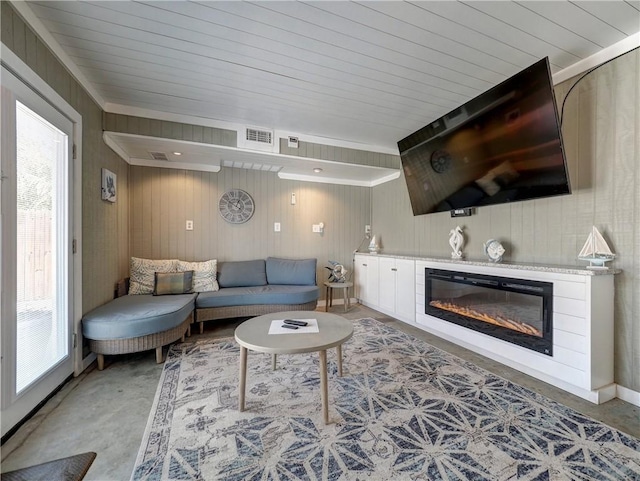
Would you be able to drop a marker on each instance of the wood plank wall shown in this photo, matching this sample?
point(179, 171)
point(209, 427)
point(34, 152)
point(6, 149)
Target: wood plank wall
point(168, 130)
point(602, 140)
point(341, 154)
point(105, 226)
point(162, 200)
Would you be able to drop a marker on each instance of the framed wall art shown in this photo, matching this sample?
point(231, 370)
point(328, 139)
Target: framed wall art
point(108, 185)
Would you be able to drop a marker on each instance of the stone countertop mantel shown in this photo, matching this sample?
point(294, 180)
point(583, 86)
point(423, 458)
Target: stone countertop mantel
point(576, 270)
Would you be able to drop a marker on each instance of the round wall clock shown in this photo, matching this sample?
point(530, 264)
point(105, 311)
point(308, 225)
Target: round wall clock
point(440, 161)
point(236, 206)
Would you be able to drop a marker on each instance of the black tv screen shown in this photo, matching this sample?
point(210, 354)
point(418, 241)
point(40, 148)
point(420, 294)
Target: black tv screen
point(502, 146)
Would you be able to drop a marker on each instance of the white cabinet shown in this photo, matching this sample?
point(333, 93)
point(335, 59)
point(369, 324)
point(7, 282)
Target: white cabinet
point(366, 272)
point(397, 288)
point(387, 284)
point(582, 361)
point(406, 290)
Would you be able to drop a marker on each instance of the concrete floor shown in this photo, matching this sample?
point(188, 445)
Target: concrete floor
point(107, 411)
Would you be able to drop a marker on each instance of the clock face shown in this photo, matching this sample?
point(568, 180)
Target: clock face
point(440, 161)
point(236, 206)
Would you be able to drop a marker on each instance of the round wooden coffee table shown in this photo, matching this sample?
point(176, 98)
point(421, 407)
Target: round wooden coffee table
point(254, 335)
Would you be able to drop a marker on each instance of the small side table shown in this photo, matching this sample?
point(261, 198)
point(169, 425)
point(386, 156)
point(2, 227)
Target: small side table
point(345, 290)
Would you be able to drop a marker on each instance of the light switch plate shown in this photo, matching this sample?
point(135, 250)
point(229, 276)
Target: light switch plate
point(315, 228)
point(276, 227)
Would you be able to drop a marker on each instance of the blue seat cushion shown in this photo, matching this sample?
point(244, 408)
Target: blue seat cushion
point(293, 272)
point(244, 296)
point(133, 316)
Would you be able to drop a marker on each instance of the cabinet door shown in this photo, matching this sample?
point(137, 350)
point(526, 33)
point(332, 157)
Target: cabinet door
point(372, 291)
point(406, 290)
point(387, 276)
point(361, 271)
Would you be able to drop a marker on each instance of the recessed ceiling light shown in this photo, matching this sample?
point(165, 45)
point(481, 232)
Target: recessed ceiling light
point(177, 153)
point(317, 170)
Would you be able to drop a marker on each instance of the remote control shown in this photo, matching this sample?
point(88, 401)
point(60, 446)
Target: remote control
point(288, 326)
point(295, 322)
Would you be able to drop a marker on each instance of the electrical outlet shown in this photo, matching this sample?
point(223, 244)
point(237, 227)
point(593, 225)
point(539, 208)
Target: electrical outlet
point(367, 229)
point(276, 227)
point(315, 228)
point(189, 225)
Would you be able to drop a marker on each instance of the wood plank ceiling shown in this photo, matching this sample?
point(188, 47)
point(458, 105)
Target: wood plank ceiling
point(365, 72)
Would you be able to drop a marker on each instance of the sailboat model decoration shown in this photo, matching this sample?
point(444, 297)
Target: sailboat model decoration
point(374, 247)
point(596, 251)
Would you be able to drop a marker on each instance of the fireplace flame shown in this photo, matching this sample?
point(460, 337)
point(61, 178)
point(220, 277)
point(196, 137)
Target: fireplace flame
point(481, 316)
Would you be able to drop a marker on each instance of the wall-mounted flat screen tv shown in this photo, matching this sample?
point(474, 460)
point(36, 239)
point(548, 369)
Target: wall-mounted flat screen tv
point(502, 146)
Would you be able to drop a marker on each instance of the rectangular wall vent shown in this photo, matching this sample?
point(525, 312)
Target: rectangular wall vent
point(256, 138)
point(158, 156)
point(261, 136)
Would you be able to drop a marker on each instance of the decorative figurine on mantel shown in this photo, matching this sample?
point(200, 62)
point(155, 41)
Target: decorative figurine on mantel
point(494, 250)
point(456, 241)
point(374, 246)
point(596, 251)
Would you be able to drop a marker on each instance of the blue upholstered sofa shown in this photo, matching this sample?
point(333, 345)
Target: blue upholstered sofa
point(133, 323)
point(253, 288)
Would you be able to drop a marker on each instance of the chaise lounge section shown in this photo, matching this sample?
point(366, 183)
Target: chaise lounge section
point(138, 323)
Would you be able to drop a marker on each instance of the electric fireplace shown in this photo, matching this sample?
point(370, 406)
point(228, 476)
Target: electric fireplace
point(514, 310)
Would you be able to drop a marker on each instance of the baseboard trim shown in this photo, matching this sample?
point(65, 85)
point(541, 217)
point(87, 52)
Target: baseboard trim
point(628, 395)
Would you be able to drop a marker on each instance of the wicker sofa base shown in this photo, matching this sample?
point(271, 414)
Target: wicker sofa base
point(143, 343)
point(214, 313)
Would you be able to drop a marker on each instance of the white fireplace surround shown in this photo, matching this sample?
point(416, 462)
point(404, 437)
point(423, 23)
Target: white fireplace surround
point(582, 361)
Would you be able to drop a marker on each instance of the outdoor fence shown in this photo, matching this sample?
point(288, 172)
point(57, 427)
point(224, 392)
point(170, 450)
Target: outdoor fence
point(34, 255)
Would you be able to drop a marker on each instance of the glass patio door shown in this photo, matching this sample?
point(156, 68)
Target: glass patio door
point(36, 249)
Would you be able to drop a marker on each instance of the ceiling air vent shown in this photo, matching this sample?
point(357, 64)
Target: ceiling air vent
point(159, 156)
point(262, 136)
point(256, 138)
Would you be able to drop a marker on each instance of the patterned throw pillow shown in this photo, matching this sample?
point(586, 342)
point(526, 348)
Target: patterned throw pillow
point(142, 273)
point(173, 283)
point(204, 274)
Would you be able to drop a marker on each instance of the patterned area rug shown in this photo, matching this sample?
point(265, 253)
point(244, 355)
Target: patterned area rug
point(404, 410)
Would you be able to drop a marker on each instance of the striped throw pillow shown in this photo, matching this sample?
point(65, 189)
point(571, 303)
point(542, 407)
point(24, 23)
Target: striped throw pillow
point(173, 283)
